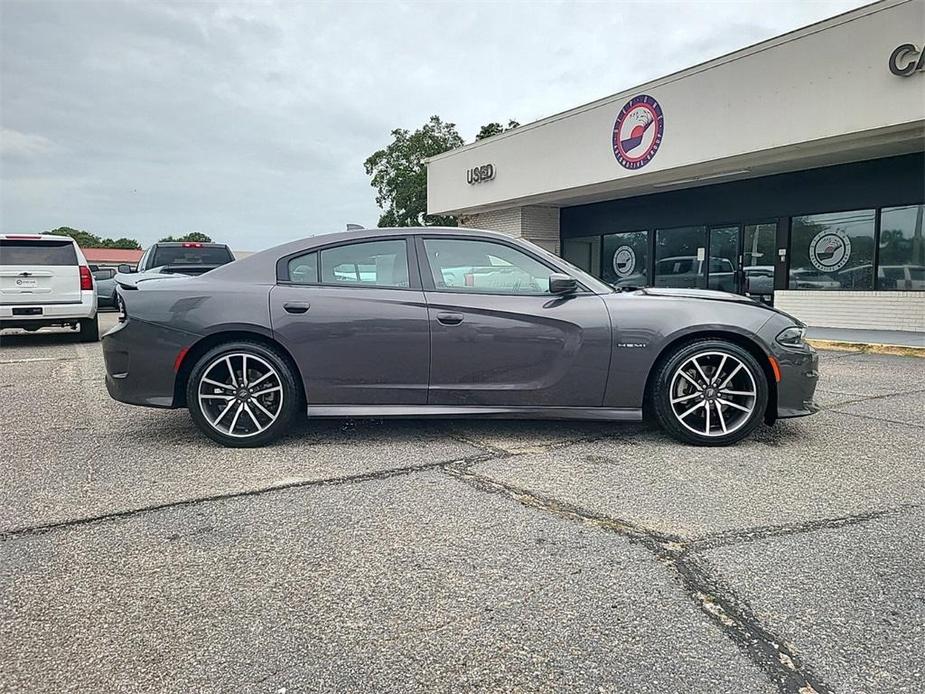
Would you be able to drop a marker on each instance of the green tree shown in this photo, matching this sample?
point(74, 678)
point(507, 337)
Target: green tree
point(490, 129)
point(193, 237)
point(127, 244)
point(400, 177)
point(85, 239)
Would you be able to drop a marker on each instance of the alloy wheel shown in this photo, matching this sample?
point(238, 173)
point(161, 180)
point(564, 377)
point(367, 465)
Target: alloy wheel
point(240, 394)
point(713, 393)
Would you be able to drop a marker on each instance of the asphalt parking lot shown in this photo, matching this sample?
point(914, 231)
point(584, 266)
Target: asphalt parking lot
point(137, 556)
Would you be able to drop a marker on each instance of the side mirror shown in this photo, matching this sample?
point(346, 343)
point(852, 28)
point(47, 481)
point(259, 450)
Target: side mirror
point(125, 269)
point(562, 284)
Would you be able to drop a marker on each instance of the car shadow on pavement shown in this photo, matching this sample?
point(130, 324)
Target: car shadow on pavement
point(45, 337)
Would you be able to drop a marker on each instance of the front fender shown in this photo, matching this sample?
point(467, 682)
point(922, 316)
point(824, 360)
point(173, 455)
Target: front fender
point(648, 327)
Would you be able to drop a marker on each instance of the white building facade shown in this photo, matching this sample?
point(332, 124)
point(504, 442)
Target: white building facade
point(792, 170)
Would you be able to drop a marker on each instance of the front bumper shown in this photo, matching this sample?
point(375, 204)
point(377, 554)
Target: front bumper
point(140, 360)
point(799, 370)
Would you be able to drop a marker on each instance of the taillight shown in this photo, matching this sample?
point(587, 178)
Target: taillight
point(120, 304)
point(192, 244)
point(86, 279)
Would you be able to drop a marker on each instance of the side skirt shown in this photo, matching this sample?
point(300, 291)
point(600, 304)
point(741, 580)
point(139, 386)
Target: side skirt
point(481, 411)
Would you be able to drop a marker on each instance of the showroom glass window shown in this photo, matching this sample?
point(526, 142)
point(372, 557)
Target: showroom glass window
point(902, 248)
point(485, 267)
point(832, 251)
point(584, 252)
point(368, 264)
point(626, 259)
point(679, 257)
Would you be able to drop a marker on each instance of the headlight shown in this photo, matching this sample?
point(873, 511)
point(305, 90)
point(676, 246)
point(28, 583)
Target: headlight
point(792, 337)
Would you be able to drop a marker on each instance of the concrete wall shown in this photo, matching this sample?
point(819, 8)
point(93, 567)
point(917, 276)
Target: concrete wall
point(863, 310)
point(823, 91)
point(537, 224)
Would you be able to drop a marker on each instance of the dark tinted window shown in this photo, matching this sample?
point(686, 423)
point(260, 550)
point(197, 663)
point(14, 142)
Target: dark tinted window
point(832, 251)
point(373, 263)
point(23, 252)
point(304, 269)
point(191, 255)
point(104, 274)
point(902, 248)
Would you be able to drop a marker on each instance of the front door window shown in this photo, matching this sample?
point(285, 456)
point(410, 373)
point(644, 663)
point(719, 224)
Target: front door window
point(485, 267)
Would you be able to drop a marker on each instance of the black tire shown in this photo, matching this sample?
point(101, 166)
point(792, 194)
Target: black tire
point(288, 380)
point(707, 349)
point(89, 330)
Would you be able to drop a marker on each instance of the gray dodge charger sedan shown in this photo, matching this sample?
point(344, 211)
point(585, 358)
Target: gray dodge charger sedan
point(421, 322)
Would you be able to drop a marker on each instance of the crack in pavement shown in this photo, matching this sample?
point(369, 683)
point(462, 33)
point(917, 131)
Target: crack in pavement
point(736, 537)
point(868, 398)
point(13, 533)
point(876, 419)
point(716, 600)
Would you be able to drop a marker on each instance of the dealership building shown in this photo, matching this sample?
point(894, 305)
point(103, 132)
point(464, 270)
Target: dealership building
point(792, 170)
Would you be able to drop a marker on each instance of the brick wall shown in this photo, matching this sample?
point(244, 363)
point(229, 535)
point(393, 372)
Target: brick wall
point(537, 224)
point(864, 310)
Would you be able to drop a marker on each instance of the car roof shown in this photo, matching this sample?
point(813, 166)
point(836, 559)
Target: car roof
point(35, 237)
point(378, 232)
point(203, 244)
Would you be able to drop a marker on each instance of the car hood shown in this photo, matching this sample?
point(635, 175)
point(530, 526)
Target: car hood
point(708, 294)
point(711, 295)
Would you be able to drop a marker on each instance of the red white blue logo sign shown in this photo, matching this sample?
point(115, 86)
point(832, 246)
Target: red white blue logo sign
point(638, 132)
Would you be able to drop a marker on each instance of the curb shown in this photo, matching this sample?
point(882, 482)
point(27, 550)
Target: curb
point(868, 347)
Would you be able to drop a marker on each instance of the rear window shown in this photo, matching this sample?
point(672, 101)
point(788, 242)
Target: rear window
point(25, 252)
point(191, 255)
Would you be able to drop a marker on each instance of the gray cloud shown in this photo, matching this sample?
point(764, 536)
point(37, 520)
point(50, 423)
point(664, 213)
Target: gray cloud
point(251, 122)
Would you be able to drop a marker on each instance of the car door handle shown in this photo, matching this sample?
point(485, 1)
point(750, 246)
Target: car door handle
point(450, 318)
point(296, 306)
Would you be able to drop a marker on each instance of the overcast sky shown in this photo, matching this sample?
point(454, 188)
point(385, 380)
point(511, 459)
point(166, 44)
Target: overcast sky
point(251, 121)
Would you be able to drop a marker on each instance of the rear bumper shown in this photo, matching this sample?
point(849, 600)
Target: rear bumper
point(42, 314)
point(140, 361)
point(799, 372)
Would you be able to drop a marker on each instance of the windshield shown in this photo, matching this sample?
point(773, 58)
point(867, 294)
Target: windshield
point(192, 255)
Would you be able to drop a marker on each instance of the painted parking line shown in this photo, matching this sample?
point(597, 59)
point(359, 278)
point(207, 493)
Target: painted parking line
point(32, 359)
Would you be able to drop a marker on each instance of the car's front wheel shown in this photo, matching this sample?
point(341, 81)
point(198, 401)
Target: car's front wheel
point(710, 392)
point(243, 394)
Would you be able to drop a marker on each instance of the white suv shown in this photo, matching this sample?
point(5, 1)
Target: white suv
point(45, 281)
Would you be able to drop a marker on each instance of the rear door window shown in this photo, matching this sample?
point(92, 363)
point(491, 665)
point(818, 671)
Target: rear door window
point(367, 264)
point(28, 252)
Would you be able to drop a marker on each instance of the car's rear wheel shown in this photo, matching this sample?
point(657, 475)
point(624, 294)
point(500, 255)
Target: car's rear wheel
point(243, 394)
point(710, 393)
point(89, 330)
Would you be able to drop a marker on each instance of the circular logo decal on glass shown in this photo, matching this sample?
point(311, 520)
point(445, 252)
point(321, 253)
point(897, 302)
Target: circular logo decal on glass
point(624, 261)
point(829, 250)
point(638, 132)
